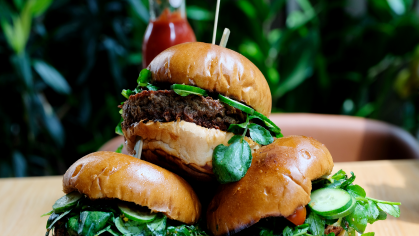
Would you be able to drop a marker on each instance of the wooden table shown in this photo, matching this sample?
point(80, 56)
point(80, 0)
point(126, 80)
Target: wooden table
point(22, 201)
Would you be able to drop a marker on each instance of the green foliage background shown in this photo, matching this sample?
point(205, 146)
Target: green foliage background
point(64, 63)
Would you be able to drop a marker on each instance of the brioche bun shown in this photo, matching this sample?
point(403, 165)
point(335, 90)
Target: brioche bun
point(180, 146)
point(276, 184)
point(114, 175)
point(215, 69)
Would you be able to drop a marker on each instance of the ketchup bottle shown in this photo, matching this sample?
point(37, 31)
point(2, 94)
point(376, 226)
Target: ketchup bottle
point(167, 27)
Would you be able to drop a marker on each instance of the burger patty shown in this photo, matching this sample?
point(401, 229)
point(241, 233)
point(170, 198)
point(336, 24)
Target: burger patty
point(166, 106)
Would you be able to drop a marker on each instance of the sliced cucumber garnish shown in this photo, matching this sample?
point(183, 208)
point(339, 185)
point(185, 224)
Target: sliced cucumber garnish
point(343, 213)
point(135, 214)
point(236, 104)
point(185, 90)
point(330, 201)
point(66, 202)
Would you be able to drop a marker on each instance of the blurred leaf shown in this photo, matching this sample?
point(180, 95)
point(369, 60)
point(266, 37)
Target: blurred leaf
point(19, 3)
point(140, 10)
point(52, 77)
point(38, 7)
point(198, 13)
point(275, 7)
point(51, 122)
point(397, 6)
point(252, 51)
point(85, 107)
point(366, 110)
point(247, 8)
point(23, 69)
point(19, 164)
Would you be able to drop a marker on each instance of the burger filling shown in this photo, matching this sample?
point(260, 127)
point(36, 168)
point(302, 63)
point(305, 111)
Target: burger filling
point(106, 217)
point(166, 106)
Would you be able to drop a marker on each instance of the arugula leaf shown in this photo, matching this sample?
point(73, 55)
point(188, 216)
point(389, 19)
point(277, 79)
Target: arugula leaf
point(234, 139)
point(144, 77)
point(266, 232)
point(260, 134)
point(339, 175)
point(158, 225)
point(356, 191)
point(118, 128)
point(152, 87)
point(231, 163)
point(237, 128)
point(126, 93)
point(55, 220)
point(287, 231)
point(130, 227)
point(368, 234)
point(316, 224)
point(382, 215)
point(92, 221)
point(103, 230)
point(348, 181)
point(372, 211)
point(331, 234)
point(52, 219)
point(358, 218)
point(393, 210)
point(336, 183)
point(119, 149)
point(48, 213)
point(73, 225)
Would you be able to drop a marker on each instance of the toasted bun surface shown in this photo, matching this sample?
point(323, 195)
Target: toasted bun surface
point(180, 146)
point(115, 175)
point(215, 69)
point(276, 184)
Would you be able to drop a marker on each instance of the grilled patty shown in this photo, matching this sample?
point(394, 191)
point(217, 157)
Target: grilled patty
point(166, 106)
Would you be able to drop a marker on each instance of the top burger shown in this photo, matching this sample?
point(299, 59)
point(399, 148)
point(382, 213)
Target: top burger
point(199, 109)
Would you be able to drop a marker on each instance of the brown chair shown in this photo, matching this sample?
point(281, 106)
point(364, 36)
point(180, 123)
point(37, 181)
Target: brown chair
point(351, 138)
point(347, 138)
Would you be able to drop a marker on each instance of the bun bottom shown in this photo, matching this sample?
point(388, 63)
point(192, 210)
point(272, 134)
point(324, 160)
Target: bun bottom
point(184, 147)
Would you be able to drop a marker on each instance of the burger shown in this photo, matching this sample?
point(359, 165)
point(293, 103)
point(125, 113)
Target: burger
point(115, 194)
point(189, 104)
point(288, 190)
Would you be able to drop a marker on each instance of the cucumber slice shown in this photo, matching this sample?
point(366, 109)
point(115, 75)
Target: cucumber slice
point(330, 201)
point(343, 213)
point(185, 90)
point(66, 202)
point(236, 104)
point(135, 214)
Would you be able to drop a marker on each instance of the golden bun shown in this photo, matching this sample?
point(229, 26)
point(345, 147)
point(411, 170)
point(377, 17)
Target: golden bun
point(183, 147)
point(276, 184)
point(114, 175)
point(215, 69)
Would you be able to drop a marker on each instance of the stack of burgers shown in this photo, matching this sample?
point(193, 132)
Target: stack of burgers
point(197, 125)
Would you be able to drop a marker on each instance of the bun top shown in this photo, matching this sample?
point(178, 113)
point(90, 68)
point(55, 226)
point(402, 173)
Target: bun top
point(115, 175)
point(215, 69)
point(276, 184)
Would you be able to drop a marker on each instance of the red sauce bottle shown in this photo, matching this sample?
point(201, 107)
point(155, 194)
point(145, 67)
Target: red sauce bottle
point(166, 30)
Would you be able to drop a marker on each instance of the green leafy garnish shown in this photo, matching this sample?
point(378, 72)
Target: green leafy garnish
point(119, 149)
point(316, 224)
point(127, 92)
point(230, 163)
point(91, 218)
point(118, 128)
point(144, 77)
point(185, 90)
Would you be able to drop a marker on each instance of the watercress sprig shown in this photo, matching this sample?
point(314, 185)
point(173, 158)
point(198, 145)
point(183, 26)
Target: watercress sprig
point(230, 163)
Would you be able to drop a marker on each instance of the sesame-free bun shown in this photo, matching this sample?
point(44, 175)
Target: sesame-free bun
point(114, 175)
point(183, 147)
point(276, 184)
point(215, 69)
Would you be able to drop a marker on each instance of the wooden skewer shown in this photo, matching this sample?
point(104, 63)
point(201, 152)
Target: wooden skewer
point(216, 22)
point(224, 39)
point(138, 148)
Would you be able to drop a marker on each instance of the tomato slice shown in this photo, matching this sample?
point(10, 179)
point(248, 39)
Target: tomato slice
point(299, 216)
